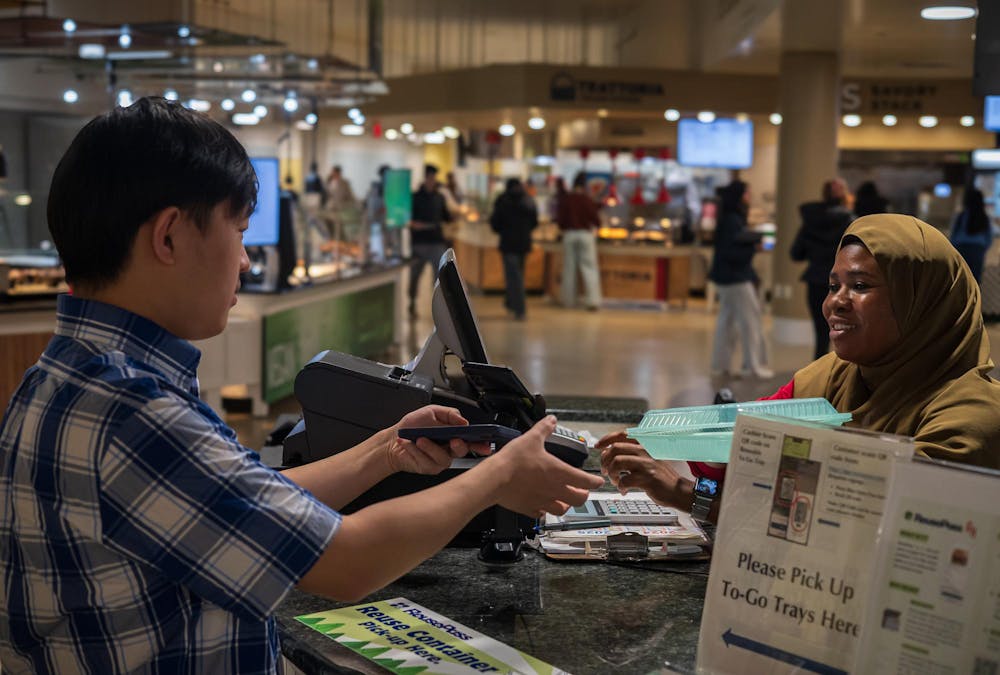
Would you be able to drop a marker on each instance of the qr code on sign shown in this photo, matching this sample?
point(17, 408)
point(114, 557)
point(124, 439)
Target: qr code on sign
point(984, 667)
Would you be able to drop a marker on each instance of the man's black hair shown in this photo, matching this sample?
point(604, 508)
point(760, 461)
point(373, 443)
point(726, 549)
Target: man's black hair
point(131, 163)
point(430, 170)
point(580, 180)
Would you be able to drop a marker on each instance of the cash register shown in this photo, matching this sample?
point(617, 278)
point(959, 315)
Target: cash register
point(345, 399)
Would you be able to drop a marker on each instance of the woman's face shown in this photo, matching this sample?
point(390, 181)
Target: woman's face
point(863, 327)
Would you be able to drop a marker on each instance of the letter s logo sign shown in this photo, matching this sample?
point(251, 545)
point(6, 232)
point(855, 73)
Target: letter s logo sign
point(850, 97)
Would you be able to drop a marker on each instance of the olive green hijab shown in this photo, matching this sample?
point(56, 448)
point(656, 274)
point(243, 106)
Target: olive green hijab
point(933, 385)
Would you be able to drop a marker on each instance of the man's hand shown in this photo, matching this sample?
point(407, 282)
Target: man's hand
point(537, 482)
point(425, 456)
point(628, 465)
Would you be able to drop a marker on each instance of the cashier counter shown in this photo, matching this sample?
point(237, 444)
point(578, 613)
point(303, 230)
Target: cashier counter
point(345, 399)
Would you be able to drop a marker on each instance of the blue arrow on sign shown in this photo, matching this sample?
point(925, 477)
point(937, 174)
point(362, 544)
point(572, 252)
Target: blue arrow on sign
point(731, 638)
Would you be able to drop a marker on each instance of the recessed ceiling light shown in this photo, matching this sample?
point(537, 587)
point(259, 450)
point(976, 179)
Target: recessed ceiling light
point(947, 13)
point(290, 104)
point(125, 98)
point(507, 130)
point(706, 117)
point(183, 31)
point(391, 134)
point(170, 94)
point(776, 118)
point(91, 50)
point(927, 121)
point(245, 118)
point(352, 130)
point(536, 123)
point(70, 96)
point(967, 120)
point(451, 132)
point(406, 128)
point(227, 104)
point(260, 110)
point(69, 26)
point(248, 95)
point(851, 120)
point(671, 114)
point(889, 120)
point(312, 118)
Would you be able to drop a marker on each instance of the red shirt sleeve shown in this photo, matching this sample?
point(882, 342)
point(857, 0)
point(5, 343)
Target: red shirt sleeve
point(787, 391)
point(719, 473)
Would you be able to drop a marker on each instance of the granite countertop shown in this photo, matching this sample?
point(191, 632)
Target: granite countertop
point(583, 617)
point(624, 411)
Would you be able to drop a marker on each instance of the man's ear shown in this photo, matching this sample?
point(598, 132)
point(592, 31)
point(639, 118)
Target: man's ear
point(165, 225)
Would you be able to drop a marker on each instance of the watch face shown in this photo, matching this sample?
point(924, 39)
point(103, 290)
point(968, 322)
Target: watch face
point(707, 486)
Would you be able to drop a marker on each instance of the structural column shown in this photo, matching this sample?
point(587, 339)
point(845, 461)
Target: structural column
point(809, 102)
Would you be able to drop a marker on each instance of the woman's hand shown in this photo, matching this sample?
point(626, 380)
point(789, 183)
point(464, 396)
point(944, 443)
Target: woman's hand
point(628, 465)
point(423, 455)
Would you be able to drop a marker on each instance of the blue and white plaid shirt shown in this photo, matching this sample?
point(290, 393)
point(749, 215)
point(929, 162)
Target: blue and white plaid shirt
point(136, 533)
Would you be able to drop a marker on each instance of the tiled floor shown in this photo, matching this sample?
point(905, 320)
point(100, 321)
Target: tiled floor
point(659, 355)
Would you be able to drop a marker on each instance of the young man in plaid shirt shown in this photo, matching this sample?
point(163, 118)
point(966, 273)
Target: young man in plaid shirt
point(136, 533)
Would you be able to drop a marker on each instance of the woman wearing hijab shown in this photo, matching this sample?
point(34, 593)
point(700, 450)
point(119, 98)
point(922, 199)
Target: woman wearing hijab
point(911, 355)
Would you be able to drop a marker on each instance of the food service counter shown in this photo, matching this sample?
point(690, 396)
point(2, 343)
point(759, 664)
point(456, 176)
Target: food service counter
point(270, 336)
point(481, 265)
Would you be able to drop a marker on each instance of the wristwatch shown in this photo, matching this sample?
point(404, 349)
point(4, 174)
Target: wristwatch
point(705, 491)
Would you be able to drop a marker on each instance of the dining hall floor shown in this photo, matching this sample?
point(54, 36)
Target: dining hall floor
point(660, 355)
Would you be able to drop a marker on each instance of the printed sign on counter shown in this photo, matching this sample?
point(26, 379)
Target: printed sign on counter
point(795, 546)
point(935, 600)
point(404, 637)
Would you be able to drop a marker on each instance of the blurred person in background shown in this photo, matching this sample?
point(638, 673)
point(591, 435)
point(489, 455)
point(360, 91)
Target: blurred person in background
point(578, 219)
point(823, 225)
point(426, 234)
point(867, 200)
point(972, 232)
point(514, 217)
point(733, 274)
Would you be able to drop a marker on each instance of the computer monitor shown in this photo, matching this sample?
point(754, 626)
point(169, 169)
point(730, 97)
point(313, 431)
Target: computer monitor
point(991, 113)
point(723, 144)
point(263, 229)
point(462, 321)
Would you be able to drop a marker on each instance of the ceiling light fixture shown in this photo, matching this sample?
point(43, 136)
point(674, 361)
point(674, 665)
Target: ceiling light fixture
point(742, 118)
point(302, 125)
point(23, 200)
point(947, 13)
point(244, 119)
point(260, 110)
point(183, 32)
point(776, 119)
point(671, 114)
point(69, 26)
point(199, 105)
point(125, 98)
point(406, 128)
point(967, 120)
point(248, 96)
point(352, 130)
point(125, 39)
point(434, 138)
point(70, 96)
point(217, 67)
point(706, 117)
point(312, 118)
point(927, 121)
point(451, 132)
point(536, 123)
point(170, 95)
point(91, 50)
point(507, 130)
point(290, 104)
point(851, 120)
point(227, 104)
point(602, 112)
point(889, 120)
point(391, 134)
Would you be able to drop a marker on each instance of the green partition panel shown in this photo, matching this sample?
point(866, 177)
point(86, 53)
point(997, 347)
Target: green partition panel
point(358, 323)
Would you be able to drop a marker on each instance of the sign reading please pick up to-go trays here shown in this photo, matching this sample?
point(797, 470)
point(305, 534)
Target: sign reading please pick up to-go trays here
point(406, 638)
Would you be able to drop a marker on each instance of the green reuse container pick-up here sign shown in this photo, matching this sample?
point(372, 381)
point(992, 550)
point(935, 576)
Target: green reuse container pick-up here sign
point(406, 638)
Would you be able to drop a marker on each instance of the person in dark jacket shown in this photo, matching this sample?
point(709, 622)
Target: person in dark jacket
point(823, 224)
point(732, 272)
point(867, 200)
point(514, 217)
point(972, 232)
point(426, 235)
